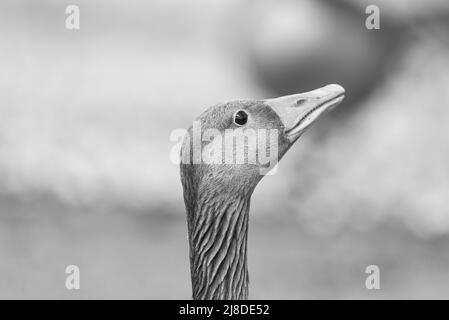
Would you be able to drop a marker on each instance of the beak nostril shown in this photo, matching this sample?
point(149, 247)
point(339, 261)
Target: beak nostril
point(300, 102)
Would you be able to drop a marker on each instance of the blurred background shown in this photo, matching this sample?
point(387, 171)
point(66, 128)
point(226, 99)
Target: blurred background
point(86, 115)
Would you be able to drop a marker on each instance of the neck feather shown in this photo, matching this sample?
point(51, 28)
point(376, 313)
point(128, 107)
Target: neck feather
point(218, 229)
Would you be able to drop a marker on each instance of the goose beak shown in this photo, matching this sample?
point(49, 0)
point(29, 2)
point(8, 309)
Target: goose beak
point(299, 111)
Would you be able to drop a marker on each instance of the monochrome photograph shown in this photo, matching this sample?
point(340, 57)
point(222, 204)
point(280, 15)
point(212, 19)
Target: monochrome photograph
point(224, 150)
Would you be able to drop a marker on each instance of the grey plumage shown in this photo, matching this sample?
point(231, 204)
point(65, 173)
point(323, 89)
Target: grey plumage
point(217, 196)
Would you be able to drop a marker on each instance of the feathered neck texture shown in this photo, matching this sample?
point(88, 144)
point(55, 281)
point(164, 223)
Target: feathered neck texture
point(218, 229)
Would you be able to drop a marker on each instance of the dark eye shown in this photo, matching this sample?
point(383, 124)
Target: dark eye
point(240, 118)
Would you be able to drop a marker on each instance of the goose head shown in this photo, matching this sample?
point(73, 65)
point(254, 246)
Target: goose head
point(225, 153)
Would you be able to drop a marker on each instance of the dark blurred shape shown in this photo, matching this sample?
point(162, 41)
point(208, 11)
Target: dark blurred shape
point(301, 46)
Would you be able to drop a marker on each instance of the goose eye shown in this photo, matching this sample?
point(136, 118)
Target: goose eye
point(240, 118)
